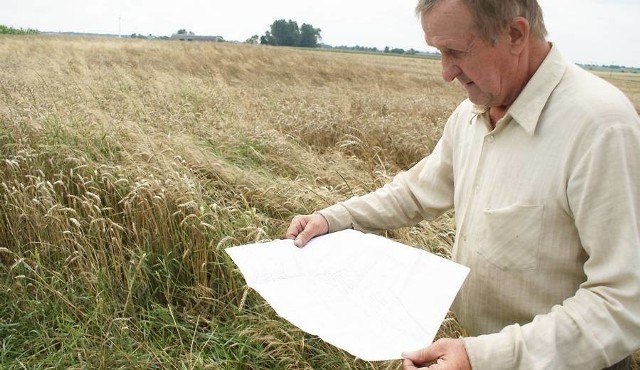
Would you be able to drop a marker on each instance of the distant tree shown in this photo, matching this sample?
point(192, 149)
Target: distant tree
point(253, 39)
point(368, 49)
point(267, 39)
point(309, 36)
point(182, 31)
point(395, 50)
point(141, 36)
point(287, 33)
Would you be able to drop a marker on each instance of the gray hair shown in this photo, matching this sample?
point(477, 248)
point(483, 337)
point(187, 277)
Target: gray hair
point(493, 16)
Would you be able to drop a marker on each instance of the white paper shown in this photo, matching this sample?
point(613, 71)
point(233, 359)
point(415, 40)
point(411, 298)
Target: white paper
point(373, 297)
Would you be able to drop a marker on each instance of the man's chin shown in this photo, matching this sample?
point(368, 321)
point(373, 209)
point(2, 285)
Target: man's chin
point(478, 98)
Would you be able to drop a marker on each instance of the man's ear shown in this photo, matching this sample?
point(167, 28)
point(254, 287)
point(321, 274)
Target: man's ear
point(519, 33)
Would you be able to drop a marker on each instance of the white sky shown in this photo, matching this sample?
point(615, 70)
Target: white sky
point(587, 31)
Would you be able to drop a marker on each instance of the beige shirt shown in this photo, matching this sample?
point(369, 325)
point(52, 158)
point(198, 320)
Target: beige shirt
point(547, 210)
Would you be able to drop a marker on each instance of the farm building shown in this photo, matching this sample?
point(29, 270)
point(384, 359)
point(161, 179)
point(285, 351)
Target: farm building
point(188, 37)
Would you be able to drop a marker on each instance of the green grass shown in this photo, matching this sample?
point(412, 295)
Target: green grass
point(7, 30)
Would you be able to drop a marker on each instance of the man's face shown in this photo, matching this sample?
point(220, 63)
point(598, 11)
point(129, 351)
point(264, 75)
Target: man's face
point(483, 70)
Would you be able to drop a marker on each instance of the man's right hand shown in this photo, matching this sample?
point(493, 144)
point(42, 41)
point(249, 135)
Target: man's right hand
point(304, 227)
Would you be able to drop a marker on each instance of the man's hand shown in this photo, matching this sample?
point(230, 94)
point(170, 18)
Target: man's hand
point(443, 354)
point(305, 227)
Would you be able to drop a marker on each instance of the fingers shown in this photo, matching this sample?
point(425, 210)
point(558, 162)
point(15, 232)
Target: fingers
point(421, 357)
point(304, 227)
point(296, 226)
point(408, 365)
point(442, 354)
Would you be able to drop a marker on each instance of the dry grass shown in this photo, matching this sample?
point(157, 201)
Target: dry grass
point(126, 166)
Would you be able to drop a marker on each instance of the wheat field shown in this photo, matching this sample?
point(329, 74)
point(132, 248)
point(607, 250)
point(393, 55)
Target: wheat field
point(127, 166)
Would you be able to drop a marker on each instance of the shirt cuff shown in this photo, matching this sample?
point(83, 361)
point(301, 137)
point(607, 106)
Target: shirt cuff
point(492, 351)
point(337, 216)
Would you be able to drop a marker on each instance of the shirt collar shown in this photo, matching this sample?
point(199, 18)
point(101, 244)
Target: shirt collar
point(528, 106)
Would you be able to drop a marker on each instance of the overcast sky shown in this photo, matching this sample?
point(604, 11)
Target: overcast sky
point(587, 31)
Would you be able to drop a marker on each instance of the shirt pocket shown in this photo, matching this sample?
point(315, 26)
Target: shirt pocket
point(512, 237)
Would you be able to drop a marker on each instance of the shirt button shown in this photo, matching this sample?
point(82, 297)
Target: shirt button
point(476, 188)
point(491, 138)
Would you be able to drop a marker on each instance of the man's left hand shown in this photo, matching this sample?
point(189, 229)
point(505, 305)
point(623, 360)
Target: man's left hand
point(443, 354)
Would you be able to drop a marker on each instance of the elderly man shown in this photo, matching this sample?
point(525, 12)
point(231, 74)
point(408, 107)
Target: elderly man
point(542, 167)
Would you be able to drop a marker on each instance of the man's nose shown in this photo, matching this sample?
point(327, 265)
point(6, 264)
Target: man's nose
point(450, 69)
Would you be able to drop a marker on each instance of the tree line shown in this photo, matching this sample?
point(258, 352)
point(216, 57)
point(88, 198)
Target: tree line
point(281, 33)
point(287, 33)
